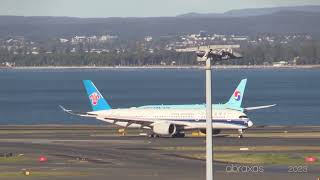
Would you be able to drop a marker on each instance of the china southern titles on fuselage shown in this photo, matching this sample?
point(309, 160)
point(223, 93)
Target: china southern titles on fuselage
point(169, 120)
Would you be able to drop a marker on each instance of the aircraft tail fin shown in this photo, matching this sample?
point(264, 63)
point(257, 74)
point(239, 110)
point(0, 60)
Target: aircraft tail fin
point(97, 101)
point(235, 100)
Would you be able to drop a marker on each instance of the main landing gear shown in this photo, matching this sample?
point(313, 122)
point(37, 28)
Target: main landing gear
point(179, 135)
point(153, 135)
point(176, 135)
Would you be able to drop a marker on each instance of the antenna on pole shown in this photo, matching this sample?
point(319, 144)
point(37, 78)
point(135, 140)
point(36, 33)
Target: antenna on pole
point(208, 56)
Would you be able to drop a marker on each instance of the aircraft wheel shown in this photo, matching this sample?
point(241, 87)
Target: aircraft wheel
point(179, 135)
point(154, 135)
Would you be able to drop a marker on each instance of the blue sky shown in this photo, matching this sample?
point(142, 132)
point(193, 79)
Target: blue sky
point(134, 8)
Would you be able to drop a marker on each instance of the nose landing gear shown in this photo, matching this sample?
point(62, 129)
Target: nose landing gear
point(240, 133)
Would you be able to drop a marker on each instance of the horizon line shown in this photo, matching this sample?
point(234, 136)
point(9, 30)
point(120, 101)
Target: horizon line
point(163, 16)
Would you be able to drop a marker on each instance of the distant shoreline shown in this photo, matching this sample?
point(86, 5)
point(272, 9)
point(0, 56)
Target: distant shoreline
point(167, 67)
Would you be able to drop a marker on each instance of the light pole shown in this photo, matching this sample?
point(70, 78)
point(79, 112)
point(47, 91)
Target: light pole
point(208, 56)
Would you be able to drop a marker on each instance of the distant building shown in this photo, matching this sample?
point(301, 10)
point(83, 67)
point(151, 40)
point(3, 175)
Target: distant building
point(99, 51)
point(163, 63)
point(203, 34)
point(8, 64)
point(148, 38)
point(106, 38)
point(92, 39)
point(295, 60)
point(218, 36)
point(62, 40)
point(192, 49)
point(35, 51)
point(78, 39)
point(9, 40)
point(73, 50)
point(239, 38)
point(308, 37)
point(280, 63)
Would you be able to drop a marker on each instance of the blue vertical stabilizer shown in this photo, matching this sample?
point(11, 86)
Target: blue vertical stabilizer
point(97, 101)
point(235, 100)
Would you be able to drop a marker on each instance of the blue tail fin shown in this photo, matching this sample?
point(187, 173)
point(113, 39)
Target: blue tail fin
point(97, 101)
point(235, 100)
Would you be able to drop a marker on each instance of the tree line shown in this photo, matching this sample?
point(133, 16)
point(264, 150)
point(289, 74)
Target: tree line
point(307, 52)
point(103, 59)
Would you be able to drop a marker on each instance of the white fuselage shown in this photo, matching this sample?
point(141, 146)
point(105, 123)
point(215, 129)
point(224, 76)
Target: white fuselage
point(186, 118)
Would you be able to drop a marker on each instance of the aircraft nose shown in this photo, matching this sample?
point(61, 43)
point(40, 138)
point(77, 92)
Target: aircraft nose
point(250, 123)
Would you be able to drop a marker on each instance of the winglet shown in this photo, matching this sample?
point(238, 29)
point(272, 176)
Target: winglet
point(64, 109)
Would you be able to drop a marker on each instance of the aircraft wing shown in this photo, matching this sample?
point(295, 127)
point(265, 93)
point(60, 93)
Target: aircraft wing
point(142, 122)
point(259, 107)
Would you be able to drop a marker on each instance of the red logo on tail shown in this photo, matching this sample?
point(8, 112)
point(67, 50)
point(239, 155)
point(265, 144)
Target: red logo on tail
point(237, 95)
point(94, 97)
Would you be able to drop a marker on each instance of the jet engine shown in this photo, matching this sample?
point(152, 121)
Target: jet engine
point(214, 131)
point(164, 129)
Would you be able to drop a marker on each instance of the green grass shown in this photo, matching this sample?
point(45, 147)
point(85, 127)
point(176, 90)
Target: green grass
point(15, 159)
point(237, 148)
point(273, 158)
point(42, 174)
point(285, 134)
point(281, 157)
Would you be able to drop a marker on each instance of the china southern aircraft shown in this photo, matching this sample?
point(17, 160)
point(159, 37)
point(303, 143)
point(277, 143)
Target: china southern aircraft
point(164, 121)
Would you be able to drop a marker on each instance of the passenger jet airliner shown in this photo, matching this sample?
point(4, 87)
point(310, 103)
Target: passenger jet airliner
point(170, 120)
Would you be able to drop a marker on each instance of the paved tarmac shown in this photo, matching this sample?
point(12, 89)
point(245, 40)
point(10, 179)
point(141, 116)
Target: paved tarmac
point(89, 152)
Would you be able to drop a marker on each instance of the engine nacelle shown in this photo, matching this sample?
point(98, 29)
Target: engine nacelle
point(164, 129)
point(214, 131)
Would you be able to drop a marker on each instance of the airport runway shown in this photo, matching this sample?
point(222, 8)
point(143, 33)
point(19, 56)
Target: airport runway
point(81, 152)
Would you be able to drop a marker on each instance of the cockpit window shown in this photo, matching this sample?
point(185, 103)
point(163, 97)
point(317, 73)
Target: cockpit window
point(243, 117)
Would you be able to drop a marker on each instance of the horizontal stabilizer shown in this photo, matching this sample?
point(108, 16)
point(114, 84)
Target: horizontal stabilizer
point(68, 111)
point(64, 109)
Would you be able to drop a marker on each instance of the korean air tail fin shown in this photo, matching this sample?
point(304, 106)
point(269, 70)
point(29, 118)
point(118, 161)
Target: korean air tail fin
point(97, 101)
point(235, 100)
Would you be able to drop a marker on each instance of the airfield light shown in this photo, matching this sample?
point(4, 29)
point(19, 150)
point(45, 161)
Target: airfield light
point(310, 159)
point(43, 159)
point(208, 56)
point(26, 173)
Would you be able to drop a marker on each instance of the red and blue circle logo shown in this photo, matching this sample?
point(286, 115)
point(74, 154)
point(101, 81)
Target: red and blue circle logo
point(237, 95)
